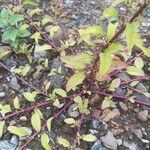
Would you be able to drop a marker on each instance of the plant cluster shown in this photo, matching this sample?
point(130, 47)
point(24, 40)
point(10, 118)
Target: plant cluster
point(92, 72)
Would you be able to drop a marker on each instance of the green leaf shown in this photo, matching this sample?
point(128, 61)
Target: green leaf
point(110, 12)
point(147, 94)
point(4, 53)
point(146, 51)
point(139, 63)
point(113, 48)
point(49, 123)
point(106, 103)
point(5, 109)
point(5, 13)
point(45, 141)
point(54, 30)
point(2, 123)
point(132, 70)
point(94, 30)
point(30, 96)
point(131, 34)
point(23, 32)
point(70, 121)
point(63, 142)
point(114, 84)
point(35, 11)
point(111, 30)
point(17, 131)
point(15, 19)
point(10, 34)
point(60, 92)
point(36, 36)
point(42, 47)
point(116, 2)
point(105, 64)
point(16, 103)
point(25, 70)
point(78, 61)
point(75, 80)
point(88, 138)
point(36, 121)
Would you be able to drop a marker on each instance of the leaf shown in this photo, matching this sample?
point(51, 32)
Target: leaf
point(4, 53)
point(63, 142)
point(111, 30)
point(45, 141)
point(17, 131)
point(25, 70)
point(146, 51)
point(147, 94)
point(75, 80)
point(105, 64)
point(70, 121)
point(116, 2)
point(36, 121)
point(35, 11)
point(5, 109)
point(36, 36)
point(10, 34)
point(16, 103)
point(106, 103)
point(42, 47)
point(94, 30)
point(114, 84)
point(131, 34)
point(2, 123)
point(30, 96)
point(23, 32)
point(54, 30)
point(132, 70)
point(5, 13)
point(139, 63)
point(88, 138)
point(60, 92)
point(113, 48)
point(78, 61)
point(15, 19)
point(109, 12)
point(49, 123)
point(134, 83)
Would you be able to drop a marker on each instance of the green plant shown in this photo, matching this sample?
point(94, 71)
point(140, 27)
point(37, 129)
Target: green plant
point(91, 72)
point(12, 28)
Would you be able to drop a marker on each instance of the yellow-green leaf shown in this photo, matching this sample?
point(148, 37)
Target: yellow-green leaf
point(111, 30)
point(63, 142)
point(70, 121)
point(113, 48)
point(60, 92)
point(45, 141)
point(110, 12)
point(36, 121)
point(105, 64)
point(2, 123)
point(139, 63)
point(114, 84)
point(75, 80)
point(16, 103)
point(88, 138)
point(4, 53)
point(5, 109)
point(49, 123)
point(17, 131)
point(78, 61)
point(36, 36)
point(132, 70)
point(30, 96)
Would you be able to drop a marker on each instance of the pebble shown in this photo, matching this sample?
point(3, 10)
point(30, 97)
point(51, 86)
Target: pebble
point(2, 94)
point(14, 84)
point(108, 114)
point(138, 133)
point(109, 141)
point(123, 76)
point(119, 142)
point(97, 145)
point(143, 115)
point(131, 146)
point(72, 111)
point(123, 106)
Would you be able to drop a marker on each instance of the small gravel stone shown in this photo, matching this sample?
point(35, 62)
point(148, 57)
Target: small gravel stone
point(2, 94)
point(123, 76)
point(119, 142)
point(123, 106)
point(143, 115)
point(131, 146)
point(14, 84)
point(72, 111)
point(97, 145)
point(138, 133)
point(109, 141)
